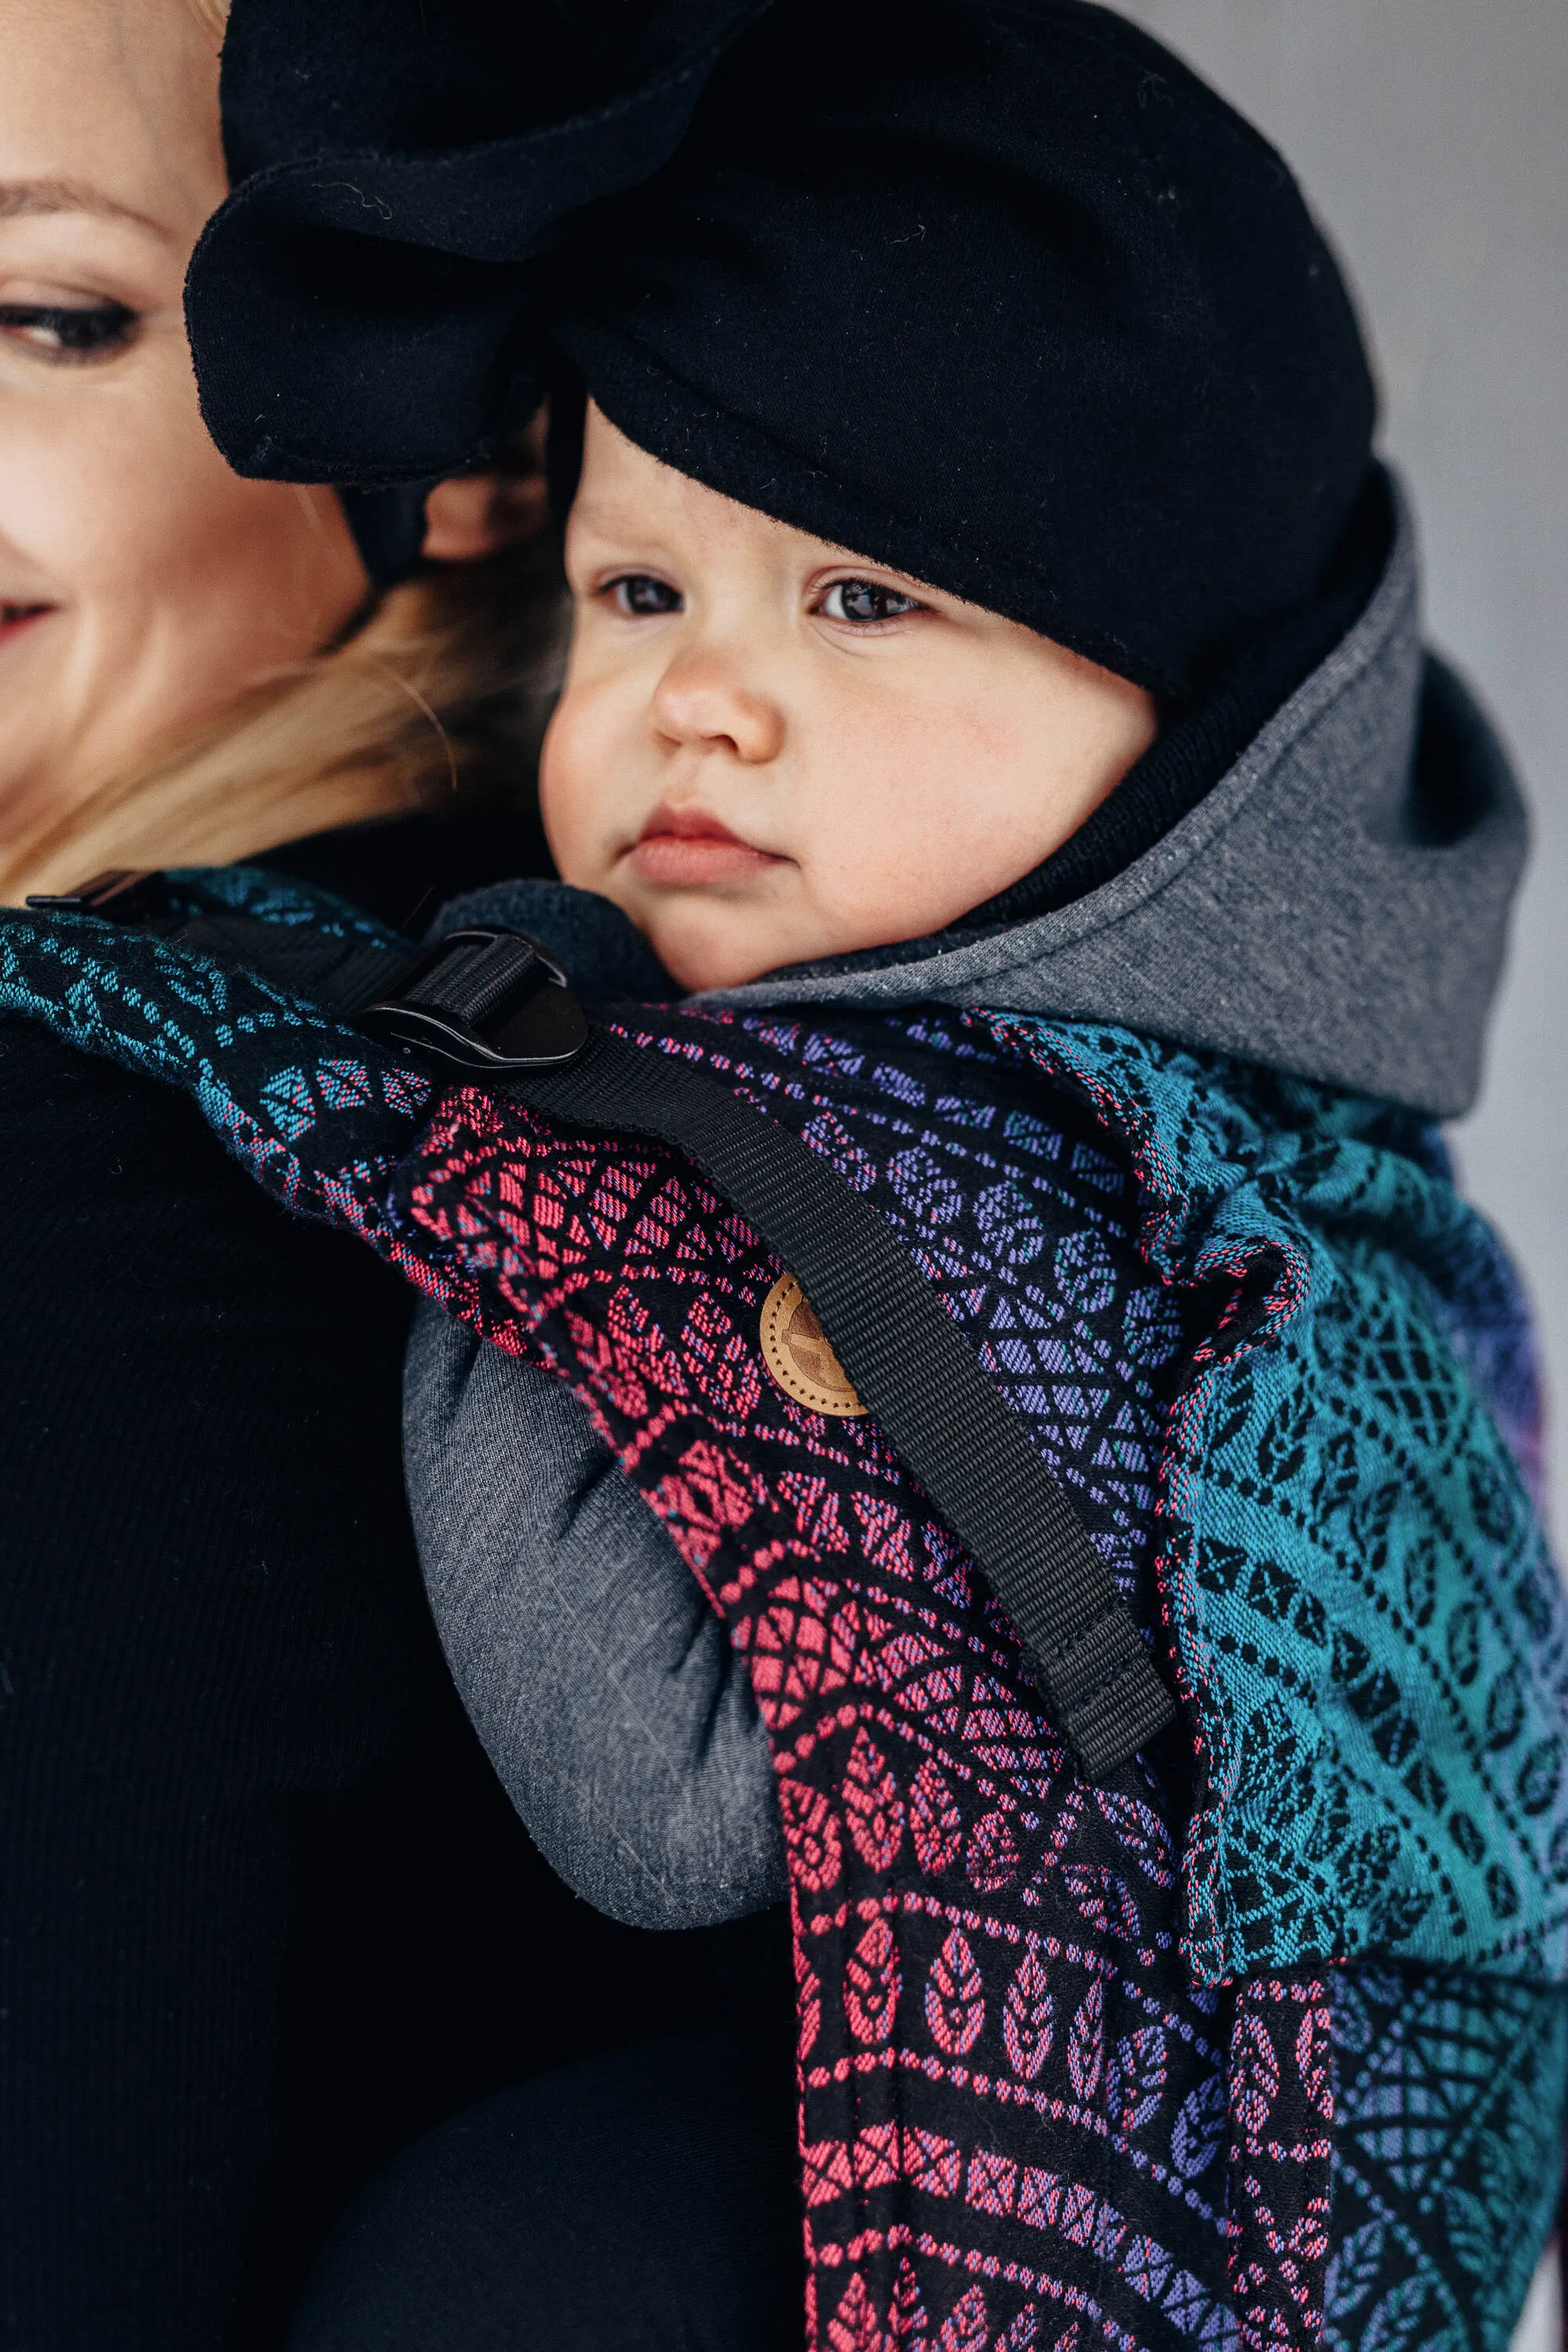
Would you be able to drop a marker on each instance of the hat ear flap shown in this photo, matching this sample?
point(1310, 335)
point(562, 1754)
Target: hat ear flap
point(388, 527)
point(488, 509)
point(567, 395)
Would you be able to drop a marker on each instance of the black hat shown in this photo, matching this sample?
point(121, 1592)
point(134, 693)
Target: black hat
point(994, 291)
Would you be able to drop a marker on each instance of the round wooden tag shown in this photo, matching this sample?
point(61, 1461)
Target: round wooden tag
point(798, 1355)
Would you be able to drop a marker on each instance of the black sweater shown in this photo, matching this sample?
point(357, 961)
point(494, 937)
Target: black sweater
point(264, 1913)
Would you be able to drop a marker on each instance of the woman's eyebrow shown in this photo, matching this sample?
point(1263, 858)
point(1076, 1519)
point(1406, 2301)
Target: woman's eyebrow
point(20, 199)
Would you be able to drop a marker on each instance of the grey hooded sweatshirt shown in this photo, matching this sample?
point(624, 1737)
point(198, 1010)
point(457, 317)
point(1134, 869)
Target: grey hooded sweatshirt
point(1335, 908)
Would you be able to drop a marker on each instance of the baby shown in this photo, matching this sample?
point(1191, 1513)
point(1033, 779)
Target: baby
point(996, 744)
point(757, 751)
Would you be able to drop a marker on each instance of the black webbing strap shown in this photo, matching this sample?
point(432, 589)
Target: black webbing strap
point(914, 1372)
point(912, 1366)
point(340, 973)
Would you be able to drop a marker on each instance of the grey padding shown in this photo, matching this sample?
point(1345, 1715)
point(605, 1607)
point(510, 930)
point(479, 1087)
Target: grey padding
point(603, 1686)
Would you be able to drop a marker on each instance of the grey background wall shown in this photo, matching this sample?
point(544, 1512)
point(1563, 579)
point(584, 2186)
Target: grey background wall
point(1430, 137)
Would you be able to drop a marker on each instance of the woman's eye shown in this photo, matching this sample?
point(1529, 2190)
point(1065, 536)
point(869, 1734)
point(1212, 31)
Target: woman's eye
point(864, 600)
point(63, 332)
point(639, 596)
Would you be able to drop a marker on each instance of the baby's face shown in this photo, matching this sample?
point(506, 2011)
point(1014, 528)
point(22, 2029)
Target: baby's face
point(770, 750)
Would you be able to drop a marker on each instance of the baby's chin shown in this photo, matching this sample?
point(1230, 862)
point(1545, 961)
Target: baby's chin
point(704, 938)
point(712, 942)
point(702, 954)
point(731, 932)
point(709, 943)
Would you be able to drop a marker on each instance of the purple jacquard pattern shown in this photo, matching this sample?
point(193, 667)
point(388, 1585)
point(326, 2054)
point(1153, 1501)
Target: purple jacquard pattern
point(1028, 2116)
point(1021, 2123)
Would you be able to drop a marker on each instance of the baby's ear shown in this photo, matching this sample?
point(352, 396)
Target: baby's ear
point(473, 515)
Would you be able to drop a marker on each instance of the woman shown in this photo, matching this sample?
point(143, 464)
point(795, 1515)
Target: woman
point(264, 1913)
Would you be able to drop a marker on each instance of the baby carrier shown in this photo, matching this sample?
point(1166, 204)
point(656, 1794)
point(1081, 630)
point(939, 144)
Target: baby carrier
point(1251, 2031)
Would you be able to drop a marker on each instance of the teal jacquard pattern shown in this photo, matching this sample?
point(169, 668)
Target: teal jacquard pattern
point(1371, 1629)
point(1370, 1632)
point(1447, 2155)
point(267, 1068)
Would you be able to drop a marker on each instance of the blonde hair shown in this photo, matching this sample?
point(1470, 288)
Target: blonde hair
point(436, 700)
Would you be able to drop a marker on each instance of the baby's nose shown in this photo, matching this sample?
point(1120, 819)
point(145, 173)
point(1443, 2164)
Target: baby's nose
point(702, 700)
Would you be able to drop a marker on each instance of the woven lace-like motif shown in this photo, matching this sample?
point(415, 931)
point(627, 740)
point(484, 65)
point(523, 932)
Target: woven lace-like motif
point(1234, 1314)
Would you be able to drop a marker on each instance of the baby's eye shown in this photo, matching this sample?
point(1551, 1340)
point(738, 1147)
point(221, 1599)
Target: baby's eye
point(68, 332)
point(639, 596)
point(864, 600)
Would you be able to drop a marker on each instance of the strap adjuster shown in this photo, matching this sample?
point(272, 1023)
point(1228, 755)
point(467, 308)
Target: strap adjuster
point(484, 1001)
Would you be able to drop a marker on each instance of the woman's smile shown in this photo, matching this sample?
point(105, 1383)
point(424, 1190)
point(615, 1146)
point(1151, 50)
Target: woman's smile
point(16, 619)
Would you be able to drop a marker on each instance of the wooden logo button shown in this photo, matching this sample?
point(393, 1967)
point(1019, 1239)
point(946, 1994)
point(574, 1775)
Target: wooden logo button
point(798, 1355)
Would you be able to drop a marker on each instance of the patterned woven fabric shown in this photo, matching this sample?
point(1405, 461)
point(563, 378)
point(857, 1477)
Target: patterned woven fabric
point(1369, 1624)
point(1255, 1332)
point(1448, 2156)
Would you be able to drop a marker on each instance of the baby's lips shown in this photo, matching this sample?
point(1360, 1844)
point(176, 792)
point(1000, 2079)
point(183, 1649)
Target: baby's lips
point(682, 848)
point(687, 861)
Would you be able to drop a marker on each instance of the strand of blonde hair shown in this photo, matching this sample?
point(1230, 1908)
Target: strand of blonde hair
point(441, 694)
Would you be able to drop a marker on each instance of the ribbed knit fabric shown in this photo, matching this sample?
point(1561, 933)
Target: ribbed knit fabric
point(264, 1912)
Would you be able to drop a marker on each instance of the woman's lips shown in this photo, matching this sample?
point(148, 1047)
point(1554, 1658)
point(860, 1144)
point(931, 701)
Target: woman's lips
point(682, 848)
point(15, 618)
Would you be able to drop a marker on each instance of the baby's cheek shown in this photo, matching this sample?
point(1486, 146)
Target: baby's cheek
point(571, 789)
point(914, 828)
point(865, 838)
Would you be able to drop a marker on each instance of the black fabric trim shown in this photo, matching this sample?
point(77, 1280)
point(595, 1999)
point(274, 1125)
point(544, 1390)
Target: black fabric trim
point(402, 869)
point(339, 974)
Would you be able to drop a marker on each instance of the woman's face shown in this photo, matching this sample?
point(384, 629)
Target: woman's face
point(143, 586)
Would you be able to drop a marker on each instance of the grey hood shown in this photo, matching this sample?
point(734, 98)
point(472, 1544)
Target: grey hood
point(1337, 906)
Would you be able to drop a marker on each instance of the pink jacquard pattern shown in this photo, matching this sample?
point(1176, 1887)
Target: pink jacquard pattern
point(1015, 2130)
point(1281, 2098)
point(1021, 2129)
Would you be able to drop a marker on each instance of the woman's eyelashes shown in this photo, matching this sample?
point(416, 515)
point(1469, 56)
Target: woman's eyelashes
point(68, 334)
point(864, 602)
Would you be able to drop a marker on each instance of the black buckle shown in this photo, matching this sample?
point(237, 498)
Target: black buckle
point(486, 1002)
point(124, 894)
